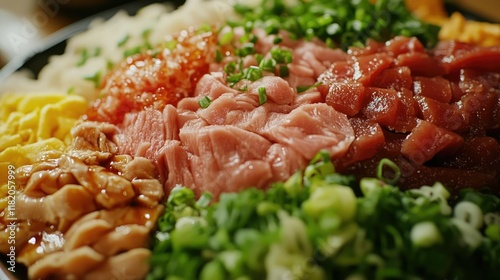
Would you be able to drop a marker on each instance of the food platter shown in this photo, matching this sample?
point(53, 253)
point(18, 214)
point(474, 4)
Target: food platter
point(35, 60)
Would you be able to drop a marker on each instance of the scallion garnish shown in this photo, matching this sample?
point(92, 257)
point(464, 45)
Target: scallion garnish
point(218, 56)
point(281, 55)
point(395, 172)
point(252, 73)
point(123, 40)
point(262, 95)
point(246, 49)
point(234, 78)
point(205, 102)
point(146, 33)
point(204, 28)
point(132, 51)
point(230, 68)
point(170, 44)
point(268, 65)
point(284, 71)
point(301, 89)
point(96, 78)
point(226, 38)
point(97, 51)
point(345, 22)
point(155, 53)
point(109, 64)
point(83, 58)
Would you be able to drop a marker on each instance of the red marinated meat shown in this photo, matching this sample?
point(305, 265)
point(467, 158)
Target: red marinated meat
point(437, 88)
point(154, 79)
point(452, 92)
point(427, 140)
point(455, 56)
point(397, 78)
point(348, 98)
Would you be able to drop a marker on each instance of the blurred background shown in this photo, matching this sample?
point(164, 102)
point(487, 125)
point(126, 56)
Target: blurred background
point(23, 23)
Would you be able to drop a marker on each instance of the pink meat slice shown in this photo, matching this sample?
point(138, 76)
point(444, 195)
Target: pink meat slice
point(142, 134)
point(225, 158)
point(311, 128)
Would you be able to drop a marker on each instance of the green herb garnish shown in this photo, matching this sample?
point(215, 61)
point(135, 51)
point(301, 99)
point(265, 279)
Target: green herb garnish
point(204, 102)
point(262, 95)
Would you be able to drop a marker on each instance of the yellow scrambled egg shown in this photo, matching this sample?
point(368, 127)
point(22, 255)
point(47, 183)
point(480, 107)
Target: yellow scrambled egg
point(31, 124)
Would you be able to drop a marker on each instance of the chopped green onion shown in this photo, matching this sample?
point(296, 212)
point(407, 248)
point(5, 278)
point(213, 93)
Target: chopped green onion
point(234, 78)
point(146, 33)
point(97, 51)
point(396, 172)
point(71, 90)
point(204, 28)
point(123, 40)
point(268, 65)
point(170, 44)
point(284, 71)
point(205, 102)
point(252, 73)
point(259, 57)
point(83, 58)
point(155, 53)
point(262, 95)
point(132, 51)
point(109, 64)
point(301, 89)
point(226, 38)
point(230, 68)
point(277, 40)
point(281, 55)
point(96, 78)
point(218, 56)
point(148, 45)
point(247, 49)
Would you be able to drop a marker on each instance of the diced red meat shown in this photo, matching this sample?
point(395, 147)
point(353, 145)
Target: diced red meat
point(420, 64)
point(437, 88)
point(478, 111)
point(400, 45)
point(347, 98)
point(369, 138)
point(427, 140)
point(441, 114)
point(473, 81)
point(372, 47)
point(382, 106)
point(397, 78)
point(456, 56)
point(368, 67)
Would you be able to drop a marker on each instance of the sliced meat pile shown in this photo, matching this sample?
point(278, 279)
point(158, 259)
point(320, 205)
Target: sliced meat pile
point(238, 141)
point(437, 114)
point(245, 121)
point(87, 213)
